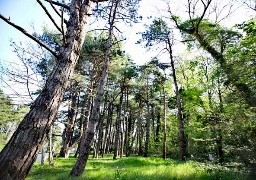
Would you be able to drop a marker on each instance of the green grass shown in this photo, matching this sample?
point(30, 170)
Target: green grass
point(134, 168)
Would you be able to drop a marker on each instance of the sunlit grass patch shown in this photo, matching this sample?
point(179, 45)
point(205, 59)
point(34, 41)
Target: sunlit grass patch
point(134, 168)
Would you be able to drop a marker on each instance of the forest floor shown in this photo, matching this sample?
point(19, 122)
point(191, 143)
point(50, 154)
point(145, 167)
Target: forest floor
point(132, 168)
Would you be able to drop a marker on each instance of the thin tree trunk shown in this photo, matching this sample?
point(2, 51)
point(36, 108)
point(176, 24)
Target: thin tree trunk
point(147, 124)
point(79, 167)
point(50, 155)
point(219, 130)
point(19, 154)
point(158, 126)
point(182, 137)
point(106, 143)
point(118, 125)
point(43, 156)
point(68, 132)
point(164, 128)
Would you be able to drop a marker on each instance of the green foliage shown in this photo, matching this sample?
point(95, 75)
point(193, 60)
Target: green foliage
point(156, 32)
point(135, 168)
point(8, 111)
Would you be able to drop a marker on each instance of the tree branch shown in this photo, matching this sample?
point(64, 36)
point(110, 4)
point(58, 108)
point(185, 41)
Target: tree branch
point(53, 7)
point(59, 4)
point(62, 26)
point(29, 35)
point(49, 15)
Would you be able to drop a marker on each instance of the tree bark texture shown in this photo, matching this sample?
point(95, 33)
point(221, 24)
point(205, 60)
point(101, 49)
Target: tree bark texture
point(17, 157)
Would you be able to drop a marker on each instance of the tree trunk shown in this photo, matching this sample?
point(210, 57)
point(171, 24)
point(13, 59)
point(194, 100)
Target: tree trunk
point(182, 137)
point(219, 129)
point(118, 125)
point(164, 128)
point(19, 154)
point(43, 156)
point(79, 167)
point(158, 126)
point(106, 141)
point(147, 124)
point(68, 132)
point(140, 131)
point(50, 155)
point(246, 93)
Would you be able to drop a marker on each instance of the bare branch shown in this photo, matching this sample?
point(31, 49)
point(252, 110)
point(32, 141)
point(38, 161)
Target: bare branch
point(206, 6)
point(49, 15)
point(53, 7)
point(27, 79)
point(62, 26)
point(59, 4)
point(29, 35)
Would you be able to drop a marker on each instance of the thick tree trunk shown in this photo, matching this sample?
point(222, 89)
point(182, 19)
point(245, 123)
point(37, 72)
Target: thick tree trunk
point(17, 157)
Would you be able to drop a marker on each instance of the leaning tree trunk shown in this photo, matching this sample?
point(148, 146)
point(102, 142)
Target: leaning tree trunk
point(79, 167)
point(19, 154)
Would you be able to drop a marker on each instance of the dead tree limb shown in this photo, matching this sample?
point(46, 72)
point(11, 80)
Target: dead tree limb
point(49, 15)
point(29, 35)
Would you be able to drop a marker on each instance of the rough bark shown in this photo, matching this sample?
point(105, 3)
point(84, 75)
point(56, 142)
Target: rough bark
point(17, 157)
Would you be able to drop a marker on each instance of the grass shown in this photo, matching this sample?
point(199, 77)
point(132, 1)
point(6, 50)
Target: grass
point(134, 168)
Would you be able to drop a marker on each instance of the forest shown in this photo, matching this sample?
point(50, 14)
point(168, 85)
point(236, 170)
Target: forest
point(188, 112)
